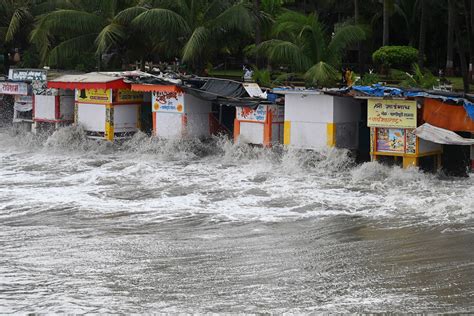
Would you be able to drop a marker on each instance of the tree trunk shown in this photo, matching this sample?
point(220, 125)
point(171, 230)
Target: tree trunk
point(359, 45)
point(450, 48)
point(462, 57)
point(386, 22)
point(421, 46)
point(470, 43)
point(258, 31)
point(471, 59)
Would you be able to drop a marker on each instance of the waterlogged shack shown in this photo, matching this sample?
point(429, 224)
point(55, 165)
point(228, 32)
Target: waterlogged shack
point(316, 120)
point(177, 114)
point(392, 123)
point(103, 104)
point(261, 124)
point(20, 86)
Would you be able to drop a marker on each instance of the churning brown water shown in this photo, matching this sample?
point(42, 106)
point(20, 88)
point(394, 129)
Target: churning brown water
point(152, 226)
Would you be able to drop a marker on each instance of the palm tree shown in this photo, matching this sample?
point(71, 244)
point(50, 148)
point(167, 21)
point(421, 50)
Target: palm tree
point(58, 39)
point(302, 42)
point(195, 25)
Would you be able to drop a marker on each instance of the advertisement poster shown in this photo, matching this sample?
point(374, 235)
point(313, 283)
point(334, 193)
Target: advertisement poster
point(411, 141)
point(168, 102)
point(391, 140)
point(129, 96)
point(13, 88)
point(100, 96)
point(392, 113)
point(249, 114)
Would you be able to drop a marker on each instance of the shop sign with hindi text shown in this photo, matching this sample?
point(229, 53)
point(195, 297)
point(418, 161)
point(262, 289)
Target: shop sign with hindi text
point(391, 113)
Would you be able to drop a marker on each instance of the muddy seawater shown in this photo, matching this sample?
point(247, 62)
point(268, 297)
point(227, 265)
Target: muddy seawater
point(212, 227)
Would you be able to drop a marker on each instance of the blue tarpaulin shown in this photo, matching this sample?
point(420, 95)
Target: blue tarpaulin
point(378, 90)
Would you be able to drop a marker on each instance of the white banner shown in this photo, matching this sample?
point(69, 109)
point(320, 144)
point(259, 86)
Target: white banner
point(15, 88)
point(441, 136)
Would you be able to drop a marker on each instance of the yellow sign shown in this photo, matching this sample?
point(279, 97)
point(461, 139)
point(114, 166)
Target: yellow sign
point(100, 96)
point(128, 96)
point(391, 113)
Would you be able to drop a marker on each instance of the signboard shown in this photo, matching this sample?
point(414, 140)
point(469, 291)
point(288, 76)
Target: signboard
point(16, 88)
point(129, 96)
point(100, 96)
point(253, 89)
point(391, 113)
point(172, 102)
point(27, 74)
point(249, 114)
point(391, 140)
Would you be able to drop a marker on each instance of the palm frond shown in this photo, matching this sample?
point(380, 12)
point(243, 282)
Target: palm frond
point(285, 52)
point(51, 5)
point(160, 21)
point(322, 74)
point(40, 38)
point(196, 43)
point(344, 37)
point(111, 35)
point(20, 16)
point(125, 17)
point(71, 47)
point(59, 22)
point(237, 17)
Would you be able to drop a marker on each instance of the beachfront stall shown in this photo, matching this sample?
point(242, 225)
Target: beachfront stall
point(315, 120)
point(20, 85)
point(260, 126)
point(177, 114)
point(103, 104)
point(392, 125)
point(52, 107)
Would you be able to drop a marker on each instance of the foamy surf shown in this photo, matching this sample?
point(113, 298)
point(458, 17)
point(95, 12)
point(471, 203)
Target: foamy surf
point(230, 180)
point(214, 226)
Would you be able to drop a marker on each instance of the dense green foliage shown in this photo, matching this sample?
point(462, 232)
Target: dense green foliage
point(310, 40)
point(395, 56)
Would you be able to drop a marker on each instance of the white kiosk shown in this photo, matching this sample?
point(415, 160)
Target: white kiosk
point(314, 120)
point(104, 104)
point(176, 114)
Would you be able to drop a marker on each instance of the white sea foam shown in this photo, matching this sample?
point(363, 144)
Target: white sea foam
point(164, 179)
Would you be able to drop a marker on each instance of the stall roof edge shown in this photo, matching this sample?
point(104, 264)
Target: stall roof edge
point(92, 80)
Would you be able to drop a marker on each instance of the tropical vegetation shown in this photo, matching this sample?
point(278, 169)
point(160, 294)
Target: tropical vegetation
point(307, 41)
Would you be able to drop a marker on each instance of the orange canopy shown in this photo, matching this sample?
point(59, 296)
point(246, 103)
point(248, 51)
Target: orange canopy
point(450, 117)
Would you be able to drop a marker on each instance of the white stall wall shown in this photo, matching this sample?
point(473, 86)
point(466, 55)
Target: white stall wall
point(309, 108)
point(169, 125)
point(251, 133)
point(308, 135)
point(309, 115)
point(45, 106)
point(125, 118)
point(91, 116)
